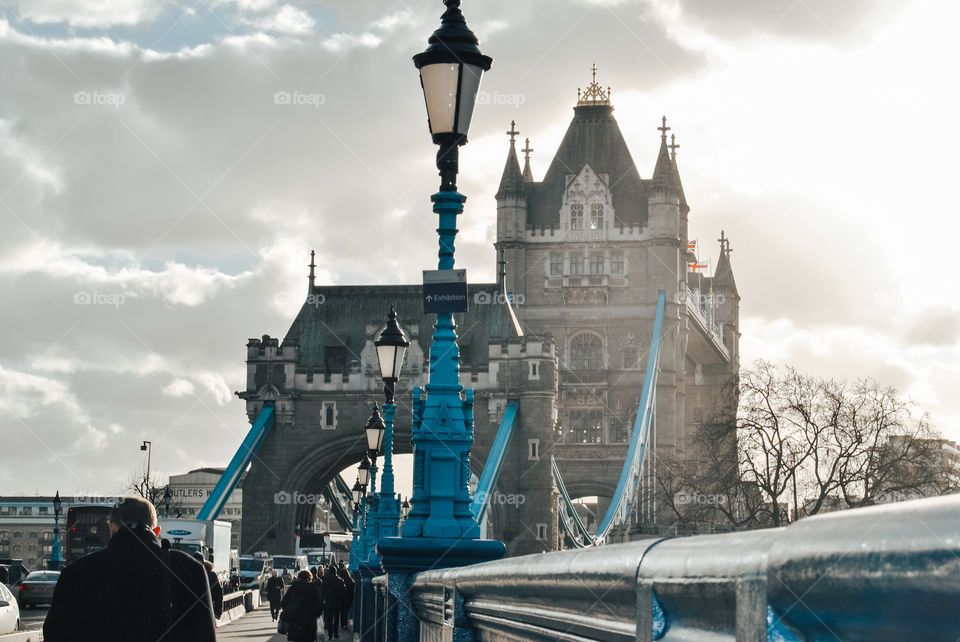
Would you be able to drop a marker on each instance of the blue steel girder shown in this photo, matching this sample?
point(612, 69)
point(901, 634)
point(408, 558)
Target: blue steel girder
point(231, 476)
point(491, 471)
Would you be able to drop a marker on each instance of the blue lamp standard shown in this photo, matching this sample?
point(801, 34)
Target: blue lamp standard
point(56, 555)
point(391, 344)
point(374, 431)
point(440, 529)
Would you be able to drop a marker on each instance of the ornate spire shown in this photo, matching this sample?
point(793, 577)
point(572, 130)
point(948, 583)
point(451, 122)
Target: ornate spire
point(527, 174)
point(513, 133)
point(594, 93)
point(663, 130)
point(724, 244)
point(673, 147)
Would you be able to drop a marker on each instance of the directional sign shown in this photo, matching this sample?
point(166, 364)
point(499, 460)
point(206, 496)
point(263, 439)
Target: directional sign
point(444, 291)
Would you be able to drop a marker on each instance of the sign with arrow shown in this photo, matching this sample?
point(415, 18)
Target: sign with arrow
point(444, 291)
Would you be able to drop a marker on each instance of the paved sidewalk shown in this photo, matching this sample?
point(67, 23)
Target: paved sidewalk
point(252, 626)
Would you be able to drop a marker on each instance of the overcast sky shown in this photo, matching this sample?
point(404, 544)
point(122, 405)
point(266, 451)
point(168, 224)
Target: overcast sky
point(159, 196)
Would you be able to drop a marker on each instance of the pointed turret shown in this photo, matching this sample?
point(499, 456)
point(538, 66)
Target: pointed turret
point(665, 175)
point(511, 182)
point(527, 173)
point(723, 275)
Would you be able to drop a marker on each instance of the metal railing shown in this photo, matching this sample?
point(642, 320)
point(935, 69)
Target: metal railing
point(889, 572)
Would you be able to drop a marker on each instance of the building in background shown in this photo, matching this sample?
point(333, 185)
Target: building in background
point(26, 527)
point(189, 491)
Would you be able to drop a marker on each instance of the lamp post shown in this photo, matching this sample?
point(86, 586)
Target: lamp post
point(374, 431)
point(391, 344)
point(439, 530)
point(56, 555)
point(148, 446)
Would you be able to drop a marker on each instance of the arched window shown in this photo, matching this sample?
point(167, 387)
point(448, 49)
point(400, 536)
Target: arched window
point(586, 426)
point(586, 352)
point(596, 263)
point(596, 216)
point(576, 264)
point(576, 216)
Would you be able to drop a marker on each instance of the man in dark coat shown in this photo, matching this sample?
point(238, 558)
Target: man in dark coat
point(274, 594)
point(333, 596)
point(302, 606)
point(132, 591)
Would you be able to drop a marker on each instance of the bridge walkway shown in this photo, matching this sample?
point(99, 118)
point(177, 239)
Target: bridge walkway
point(258, 627)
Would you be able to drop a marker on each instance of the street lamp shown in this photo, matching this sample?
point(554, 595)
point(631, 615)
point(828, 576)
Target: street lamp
point(450, 72)
point(391, 347)
point(374, 431)
point(148, 446)
point(363, 474)
point(56, 555)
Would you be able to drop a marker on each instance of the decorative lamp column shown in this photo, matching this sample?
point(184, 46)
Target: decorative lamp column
point(440, 530)
point(56, 555)
point(374, 431)
point(391, 344)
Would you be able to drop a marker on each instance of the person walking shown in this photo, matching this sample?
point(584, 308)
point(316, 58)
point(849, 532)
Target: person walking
point(333, 594)
point(302, 605)
point(274, 594)
point(132, 591)
point(347, 602)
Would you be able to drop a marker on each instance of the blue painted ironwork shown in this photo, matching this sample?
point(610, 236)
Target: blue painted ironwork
point(386, 514)
point(621, 503)
point(340, 496)
point(491, 471)
point(231, 476)
point(570, 520)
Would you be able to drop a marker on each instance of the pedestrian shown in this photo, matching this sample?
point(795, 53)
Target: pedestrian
point(287, 578)
point(216, 591)
point(274, 594)
point(302, 605)
point(349, 585)
point(132, 591)
point(333, 594)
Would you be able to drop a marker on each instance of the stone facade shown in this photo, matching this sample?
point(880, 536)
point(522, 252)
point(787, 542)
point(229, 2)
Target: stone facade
point(586, 251)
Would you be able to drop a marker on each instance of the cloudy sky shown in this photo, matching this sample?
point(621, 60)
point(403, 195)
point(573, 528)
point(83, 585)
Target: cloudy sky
point(166, 167)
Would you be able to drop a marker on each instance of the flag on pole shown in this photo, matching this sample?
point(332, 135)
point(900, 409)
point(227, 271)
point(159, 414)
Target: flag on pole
point(695, 267)
point(692, 246)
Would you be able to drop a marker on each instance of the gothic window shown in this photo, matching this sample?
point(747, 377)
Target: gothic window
point(556, 264)
point(586, 352)
point(533, 449)
point(620, 429)
point(576, 264)
point(616, 263)
point(631, 357)
point(596, 216)
point(576, 216)
point(329, 415)
point(596, 263)
point(586, 426)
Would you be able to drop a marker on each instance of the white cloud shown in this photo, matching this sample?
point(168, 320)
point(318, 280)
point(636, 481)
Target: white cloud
point(287, 20)
point(179, 388)
point(89, 13)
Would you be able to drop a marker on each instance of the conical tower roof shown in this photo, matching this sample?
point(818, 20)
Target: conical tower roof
point(511, 181)
point(723, 275)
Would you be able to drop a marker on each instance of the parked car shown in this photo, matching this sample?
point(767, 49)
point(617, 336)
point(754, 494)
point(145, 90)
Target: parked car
point(38, 587)
point(9, 611)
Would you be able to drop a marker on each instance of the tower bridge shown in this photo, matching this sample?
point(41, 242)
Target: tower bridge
point(585, 296)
